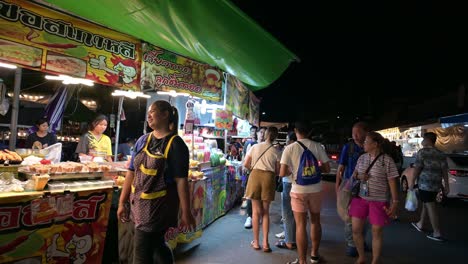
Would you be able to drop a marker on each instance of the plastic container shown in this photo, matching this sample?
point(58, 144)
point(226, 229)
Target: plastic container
point(107, 183)
point(58, 186)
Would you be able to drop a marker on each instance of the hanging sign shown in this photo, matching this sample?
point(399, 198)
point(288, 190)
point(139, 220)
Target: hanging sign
point(166, 71)
point(237, 97)
point(39, 38)
point(223, 119)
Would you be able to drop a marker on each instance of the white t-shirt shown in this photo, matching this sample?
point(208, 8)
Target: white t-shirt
point(268, 161)
point(292, 156)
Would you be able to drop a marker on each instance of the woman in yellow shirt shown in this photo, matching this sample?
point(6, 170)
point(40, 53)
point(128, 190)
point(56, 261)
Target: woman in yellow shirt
point(94, 143)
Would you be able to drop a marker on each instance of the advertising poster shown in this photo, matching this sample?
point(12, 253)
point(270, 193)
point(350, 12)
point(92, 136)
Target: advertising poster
point(254, 110)
point(223, 119)
point(237, 97)
point(166, 71)
point(55, 229)
point(39, 38)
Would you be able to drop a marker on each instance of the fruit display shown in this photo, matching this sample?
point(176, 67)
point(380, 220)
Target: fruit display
point(195, 175)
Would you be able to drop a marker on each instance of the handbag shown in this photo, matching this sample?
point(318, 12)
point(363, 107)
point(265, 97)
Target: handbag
point(357, 183)
point(279, 184)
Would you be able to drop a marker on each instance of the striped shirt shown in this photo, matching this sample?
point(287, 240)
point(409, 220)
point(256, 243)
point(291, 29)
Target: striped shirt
point(384, 168)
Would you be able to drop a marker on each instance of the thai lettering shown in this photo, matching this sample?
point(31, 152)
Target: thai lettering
point(60, 28)
point(55, 27)
point(9, 217)
point(308, 171)
point(172, 81)
point(30, 19)
point(87, 209)
point(153, 57)
point(9, 12)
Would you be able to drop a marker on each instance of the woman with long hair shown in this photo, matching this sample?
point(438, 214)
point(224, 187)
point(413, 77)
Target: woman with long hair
point(156, 185)
point(94, 142)
point(263, 161)
point(378, 175)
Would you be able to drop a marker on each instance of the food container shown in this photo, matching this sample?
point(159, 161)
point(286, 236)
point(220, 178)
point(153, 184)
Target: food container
point(107, 183)
point(58, 186)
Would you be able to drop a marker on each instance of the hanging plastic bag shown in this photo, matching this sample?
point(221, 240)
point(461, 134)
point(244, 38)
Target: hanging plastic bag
point(411, 203)
point(4, 103)
point(53, 152)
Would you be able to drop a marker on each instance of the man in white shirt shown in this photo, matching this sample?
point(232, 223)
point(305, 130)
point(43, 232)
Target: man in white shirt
point(305, 198)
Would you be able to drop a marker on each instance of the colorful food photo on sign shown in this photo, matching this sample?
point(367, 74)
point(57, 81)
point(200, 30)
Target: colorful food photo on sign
point(166, 71)
point(68, 45)
point(20, 54)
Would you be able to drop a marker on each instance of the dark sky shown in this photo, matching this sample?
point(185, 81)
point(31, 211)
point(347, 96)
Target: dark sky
point(351, 52)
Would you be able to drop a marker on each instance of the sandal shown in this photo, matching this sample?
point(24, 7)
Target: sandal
point(267, 249)
point(254, 247)
point(283, 244)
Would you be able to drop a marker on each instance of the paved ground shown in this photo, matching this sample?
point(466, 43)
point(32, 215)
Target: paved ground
point(226, 241)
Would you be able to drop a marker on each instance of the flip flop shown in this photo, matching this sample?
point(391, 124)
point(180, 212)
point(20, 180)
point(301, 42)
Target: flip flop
point(283, 244)
point(254, 247)
point(415, 225)
point(267, 249)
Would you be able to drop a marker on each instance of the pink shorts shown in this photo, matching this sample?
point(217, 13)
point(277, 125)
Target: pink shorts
point(362, 209)
point(306, 202)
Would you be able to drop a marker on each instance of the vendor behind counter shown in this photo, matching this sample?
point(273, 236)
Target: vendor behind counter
point(94, 143)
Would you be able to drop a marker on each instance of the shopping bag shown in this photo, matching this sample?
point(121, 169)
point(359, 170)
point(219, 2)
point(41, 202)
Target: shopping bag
point(411, 203)
point(53, 152)
point(343, 199)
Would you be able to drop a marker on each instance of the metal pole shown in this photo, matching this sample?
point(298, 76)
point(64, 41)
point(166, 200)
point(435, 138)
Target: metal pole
point(119, 113)
point(15, 109)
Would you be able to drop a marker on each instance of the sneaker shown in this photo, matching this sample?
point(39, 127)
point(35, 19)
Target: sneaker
point(248, 223)
point(435, 238)
point(293, 262)
point(244, 204)
point(280, 235)
point(351, 252)
point(314, 259)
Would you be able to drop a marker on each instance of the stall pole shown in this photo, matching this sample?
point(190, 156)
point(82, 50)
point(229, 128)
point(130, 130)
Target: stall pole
point(15, 109)
point(119, 113)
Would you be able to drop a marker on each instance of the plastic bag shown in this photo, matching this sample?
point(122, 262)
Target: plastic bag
point(411, 203)
point(54, 152)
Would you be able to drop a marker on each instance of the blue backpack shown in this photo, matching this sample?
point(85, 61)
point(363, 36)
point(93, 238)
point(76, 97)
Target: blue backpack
point(309, 171)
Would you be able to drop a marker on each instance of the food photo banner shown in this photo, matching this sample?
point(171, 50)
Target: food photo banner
point(36, 37)
point(237, 97)
point(166, 71)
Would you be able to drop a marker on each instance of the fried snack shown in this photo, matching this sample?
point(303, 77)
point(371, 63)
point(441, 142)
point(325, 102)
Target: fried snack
point(8, 156)
point(16, 156)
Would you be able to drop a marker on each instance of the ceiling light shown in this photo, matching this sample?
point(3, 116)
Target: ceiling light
point(173, 93)
point(6, 65)
point(70, 80)
point(130, 94)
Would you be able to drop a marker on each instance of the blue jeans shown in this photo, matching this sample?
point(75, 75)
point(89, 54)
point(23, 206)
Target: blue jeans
point(287, 214)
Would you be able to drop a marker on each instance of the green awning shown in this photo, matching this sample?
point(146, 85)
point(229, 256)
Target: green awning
point(215, 32)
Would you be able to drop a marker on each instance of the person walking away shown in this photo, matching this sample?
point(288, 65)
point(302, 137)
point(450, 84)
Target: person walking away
point(306, 190)
point(258, 137)
point(347, 163)
point(41, 138)
point(430, 168)
point(378, 173)
point(156, 185)
point(289, 233)
point(263, 161)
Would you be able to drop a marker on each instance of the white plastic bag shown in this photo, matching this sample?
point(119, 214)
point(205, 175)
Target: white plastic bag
point(54, 152)
point(411, 203)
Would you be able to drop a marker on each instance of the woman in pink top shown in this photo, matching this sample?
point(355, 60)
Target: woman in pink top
point(372, 203)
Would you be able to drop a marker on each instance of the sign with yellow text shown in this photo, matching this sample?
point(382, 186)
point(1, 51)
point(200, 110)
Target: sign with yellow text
point(166, 71)
point(39, 38)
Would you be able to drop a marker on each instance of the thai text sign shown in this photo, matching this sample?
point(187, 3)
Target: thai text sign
point(39, 38)
point(64, 228)
point(166, 71)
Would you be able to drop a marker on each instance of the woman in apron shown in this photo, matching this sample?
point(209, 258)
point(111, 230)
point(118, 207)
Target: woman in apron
point(156, 184)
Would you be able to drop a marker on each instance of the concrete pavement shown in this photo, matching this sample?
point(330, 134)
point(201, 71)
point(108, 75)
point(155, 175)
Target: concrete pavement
point(226, 241)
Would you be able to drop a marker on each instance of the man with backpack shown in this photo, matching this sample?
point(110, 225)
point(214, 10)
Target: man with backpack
point(301, 160)
point(347, 163)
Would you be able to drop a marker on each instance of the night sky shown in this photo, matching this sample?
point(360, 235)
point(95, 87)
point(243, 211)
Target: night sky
point(353, 52)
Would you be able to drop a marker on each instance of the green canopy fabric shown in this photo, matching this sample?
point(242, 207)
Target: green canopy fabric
point(214, 32)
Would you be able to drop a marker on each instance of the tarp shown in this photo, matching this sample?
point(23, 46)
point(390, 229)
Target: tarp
point(215, 32)
point(448, 121)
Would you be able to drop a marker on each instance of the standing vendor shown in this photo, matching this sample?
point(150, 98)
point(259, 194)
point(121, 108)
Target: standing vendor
point(155, 185)
point(41, 138)
point(94, 143)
